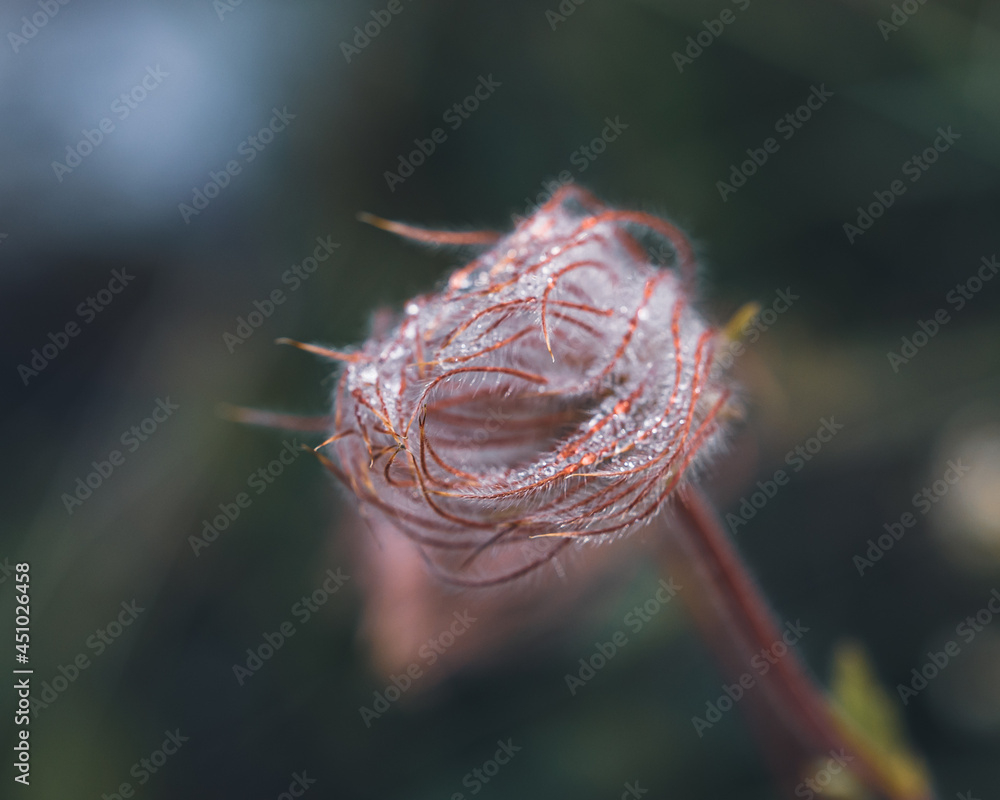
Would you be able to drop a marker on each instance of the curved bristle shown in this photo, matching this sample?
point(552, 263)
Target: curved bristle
point(429, 236)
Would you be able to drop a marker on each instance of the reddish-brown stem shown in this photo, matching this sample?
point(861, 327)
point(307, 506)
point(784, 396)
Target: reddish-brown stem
point(795, 717)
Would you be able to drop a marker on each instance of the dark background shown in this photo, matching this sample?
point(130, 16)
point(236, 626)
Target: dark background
point(162, 337)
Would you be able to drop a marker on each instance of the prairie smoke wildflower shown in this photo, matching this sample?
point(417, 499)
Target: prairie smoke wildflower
point(560, 390)
point(557, 391)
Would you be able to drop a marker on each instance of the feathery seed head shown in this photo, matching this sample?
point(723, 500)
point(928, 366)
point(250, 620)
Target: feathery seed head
point(555, 392)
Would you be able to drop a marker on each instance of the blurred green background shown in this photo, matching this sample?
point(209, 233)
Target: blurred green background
point(228, 68)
